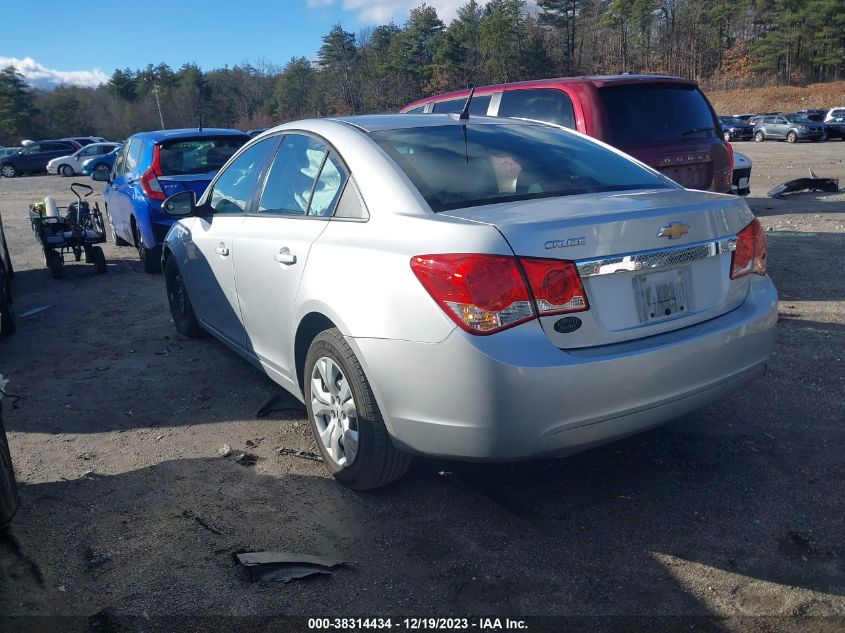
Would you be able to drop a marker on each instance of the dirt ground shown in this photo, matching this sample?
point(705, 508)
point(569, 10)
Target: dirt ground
point(778, 98)
point(731, 518)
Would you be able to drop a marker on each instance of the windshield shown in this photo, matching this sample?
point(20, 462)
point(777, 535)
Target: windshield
point(656, 113)
point(455, 166)
point(197, 156)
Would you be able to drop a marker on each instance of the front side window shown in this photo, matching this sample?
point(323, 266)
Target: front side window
point(293, 176)
point(89, 151)
point(233, 189)
point(32, 148)
point(540, 104)
point(455, 166)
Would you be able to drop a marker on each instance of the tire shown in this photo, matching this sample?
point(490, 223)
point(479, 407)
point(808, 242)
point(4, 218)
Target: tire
point(727, 137)
point(150, 257)
point(375, 462)
point(100, 166)
point(8, 171)
point(8, 485)
point(54, 263)
point(67, 171)
point(118, 241)
point(759, 137)
point(791, 137)
point(181, 309)
point(7, 315)
point(98, 258)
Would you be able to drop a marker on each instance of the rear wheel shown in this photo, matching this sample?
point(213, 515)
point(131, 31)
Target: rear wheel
point(759, 137)
point(98, 258)
point(792, 137)
point(8, 484)
point(150, 257)
point(54, 263)
point(180, 304)
point(345, 419)
point(8, 171)
point(66, 171)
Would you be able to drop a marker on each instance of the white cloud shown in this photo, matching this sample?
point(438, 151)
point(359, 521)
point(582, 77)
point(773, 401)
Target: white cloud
point(383, 11)
point(40, 76)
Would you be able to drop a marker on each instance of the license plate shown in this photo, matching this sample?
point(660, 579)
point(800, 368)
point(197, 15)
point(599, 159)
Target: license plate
point(662, 295)
point(743, 183)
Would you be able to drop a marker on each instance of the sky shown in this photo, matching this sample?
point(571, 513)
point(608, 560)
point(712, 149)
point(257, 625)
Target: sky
point(54, 42)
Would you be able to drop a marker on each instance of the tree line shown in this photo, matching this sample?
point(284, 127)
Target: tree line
point(721, 43)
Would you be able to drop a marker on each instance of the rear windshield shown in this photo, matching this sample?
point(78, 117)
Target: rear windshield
point(656, 113)
point(197, 156)
point(455, 166)
point(798, 119)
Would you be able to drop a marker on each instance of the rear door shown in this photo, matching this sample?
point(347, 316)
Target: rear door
point(671, 127)
point(211, 249)
point(780, 127)
point(300, 195)
point(119, 194)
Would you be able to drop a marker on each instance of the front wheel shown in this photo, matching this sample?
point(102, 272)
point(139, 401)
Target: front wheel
point(8, 171)
point(759, 137)
point(792, 137)
point(345, 418)
point(66, 171)
point(181, 309)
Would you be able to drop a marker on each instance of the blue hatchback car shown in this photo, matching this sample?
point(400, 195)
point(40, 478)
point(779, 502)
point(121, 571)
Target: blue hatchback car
point(152, 166)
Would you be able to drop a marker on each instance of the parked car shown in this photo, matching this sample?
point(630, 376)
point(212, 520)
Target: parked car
point(72, 165)
point(34, 157)
point(789, 127)
point(152, 166)
point(734, 129)
point(741, 184)
point(430, 285)
point(835, 128)
point(104, 162)
point(86, 140)
point(666, 122)
point(7, 273)
point(834, 113)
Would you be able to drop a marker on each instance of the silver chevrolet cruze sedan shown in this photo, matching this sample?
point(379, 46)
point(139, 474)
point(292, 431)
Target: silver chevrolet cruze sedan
point(481, 289)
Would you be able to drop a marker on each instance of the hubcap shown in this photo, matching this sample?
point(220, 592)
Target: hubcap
point(335, 415)
point(8, 172)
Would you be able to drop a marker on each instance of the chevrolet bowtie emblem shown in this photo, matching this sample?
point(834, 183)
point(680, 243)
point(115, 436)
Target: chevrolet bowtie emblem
point(673, 230)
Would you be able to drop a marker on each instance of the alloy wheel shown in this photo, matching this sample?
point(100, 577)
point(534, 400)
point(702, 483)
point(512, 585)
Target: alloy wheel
point(334, 411)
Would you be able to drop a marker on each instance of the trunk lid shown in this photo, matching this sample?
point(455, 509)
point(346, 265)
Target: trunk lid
point(639, 254)
point(186, 182)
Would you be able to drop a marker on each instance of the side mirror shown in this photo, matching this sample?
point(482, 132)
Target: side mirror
point(180, 205)
point(101, 175)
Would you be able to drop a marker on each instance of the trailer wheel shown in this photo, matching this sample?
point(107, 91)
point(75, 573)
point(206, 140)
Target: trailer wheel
point(99, 259)
point(54, 263)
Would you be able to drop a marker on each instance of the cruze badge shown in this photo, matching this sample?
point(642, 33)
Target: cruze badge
point(673, 230)
point(572, 241)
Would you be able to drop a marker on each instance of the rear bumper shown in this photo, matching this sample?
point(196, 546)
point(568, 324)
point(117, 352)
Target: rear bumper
point(514, 395)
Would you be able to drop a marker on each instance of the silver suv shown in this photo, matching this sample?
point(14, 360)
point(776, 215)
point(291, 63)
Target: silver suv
point(791, 127)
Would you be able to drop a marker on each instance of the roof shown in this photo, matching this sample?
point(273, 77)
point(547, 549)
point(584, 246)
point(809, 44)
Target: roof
point(377, 122)
point(191, 132)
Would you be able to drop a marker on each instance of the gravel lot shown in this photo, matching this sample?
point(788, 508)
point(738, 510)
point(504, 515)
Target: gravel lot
point(736, 511)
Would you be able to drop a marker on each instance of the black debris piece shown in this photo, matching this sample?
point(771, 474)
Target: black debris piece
point(303, 454)
point(279, 402)
point(246, 459)
point(830, 185)
point(284, 566)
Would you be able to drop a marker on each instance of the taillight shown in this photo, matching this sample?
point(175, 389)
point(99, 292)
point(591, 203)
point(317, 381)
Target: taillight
point(750, 254)
point(730, 156)
point(489, 293)
point(149, 181)
point(555, 285)
point(481, 293)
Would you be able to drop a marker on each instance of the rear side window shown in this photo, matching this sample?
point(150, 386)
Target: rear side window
point(198, 155)
point(455, 166)
point(478, 105)
point(293, 176)
point(133, 155)
point(541, 104)
point(417, 110)
point(641, 115)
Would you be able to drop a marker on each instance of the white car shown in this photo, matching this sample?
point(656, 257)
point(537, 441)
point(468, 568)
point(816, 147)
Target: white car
point(433, 285)
point(834, 113)
point(72, 165)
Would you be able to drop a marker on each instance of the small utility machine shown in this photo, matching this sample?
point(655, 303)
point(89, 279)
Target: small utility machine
point(78, 231)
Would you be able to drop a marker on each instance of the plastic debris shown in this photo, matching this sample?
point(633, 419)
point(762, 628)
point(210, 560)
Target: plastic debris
point(813, 183)
point(34, 311)
point(303, 454)
point(284, 566)
point(279, 402)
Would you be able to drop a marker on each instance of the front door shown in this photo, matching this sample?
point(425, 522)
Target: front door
point(300, 195)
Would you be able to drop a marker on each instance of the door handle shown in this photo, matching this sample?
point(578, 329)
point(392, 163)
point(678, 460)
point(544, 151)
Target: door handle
point(222, 250)
point(284, 256)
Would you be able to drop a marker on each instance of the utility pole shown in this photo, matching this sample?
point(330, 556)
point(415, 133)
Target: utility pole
point(158, 103)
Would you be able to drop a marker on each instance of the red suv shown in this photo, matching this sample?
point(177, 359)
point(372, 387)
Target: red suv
point(665, 122)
